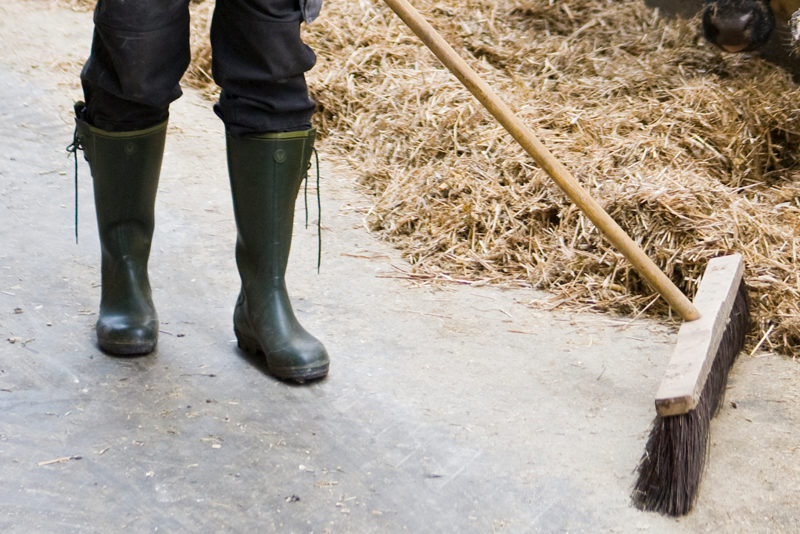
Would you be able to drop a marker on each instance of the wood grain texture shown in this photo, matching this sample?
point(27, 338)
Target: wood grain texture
point(699, 340)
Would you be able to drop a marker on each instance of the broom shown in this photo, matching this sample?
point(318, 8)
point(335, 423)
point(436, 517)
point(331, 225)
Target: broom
point(670, 470)
point(692, 390)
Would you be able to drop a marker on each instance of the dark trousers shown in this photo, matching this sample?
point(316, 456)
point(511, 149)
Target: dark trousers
point(140, 51)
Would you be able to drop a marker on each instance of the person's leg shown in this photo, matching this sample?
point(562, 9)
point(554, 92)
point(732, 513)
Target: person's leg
point(140, 50)
point(260, 61)
point(139, 53)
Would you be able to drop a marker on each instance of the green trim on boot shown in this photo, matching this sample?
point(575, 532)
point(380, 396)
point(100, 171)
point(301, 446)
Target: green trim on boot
point(125, 169)
point(265, 173)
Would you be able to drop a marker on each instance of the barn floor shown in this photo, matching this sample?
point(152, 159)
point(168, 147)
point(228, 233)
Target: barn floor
point(448, 409)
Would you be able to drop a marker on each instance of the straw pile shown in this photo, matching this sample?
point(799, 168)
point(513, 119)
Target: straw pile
point(693, 152)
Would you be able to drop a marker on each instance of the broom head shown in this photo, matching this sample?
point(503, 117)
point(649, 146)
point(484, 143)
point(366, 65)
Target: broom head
point(691, 392)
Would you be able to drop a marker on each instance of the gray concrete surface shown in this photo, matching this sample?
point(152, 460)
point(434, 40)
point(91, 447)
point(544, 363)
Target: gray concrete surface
point(448, 409)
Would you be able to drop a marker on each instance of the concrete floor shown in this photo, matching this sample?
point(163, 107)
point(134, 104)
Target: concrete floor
point(447, 409)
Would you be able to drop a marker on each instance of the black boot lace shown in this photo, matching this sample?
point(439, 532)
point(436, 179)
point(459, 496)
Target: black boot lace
point(73, 149)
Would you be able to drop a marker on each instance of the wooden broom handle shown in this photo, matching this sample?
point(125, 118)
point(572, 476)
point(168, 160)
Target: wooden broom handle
point(563, 178)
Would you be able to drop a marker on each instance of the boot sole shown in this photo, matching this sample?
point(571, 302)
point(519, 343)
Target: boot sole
point(300, 375)
point(126, 349)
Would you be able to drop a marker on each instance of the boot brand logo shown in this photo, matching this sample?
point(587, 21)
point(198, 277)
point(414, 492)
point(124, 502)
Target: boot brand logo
point(280, 155)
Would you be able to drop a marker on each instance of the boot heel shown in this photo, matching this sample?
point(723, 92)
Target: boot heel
point(247, 344)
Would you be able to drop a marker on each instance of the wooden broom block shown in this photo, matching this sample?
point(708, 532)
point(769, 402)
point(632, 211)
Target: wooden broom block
point(698, 341)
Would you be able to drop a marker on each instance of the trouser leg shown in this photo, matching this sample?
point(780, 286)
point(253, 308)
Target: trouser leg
point(260, 61)
point(140, 50)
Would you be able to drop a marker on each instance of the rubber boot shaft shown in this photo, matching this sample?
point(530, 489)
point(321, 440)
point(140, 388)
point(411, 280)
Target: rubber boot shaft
point(265, 173)
point(125, 169)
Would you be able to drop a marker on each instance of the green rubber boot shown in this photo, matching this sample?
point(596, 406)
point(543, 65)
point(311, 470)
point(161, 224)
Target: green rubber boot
point(125, 170)
point(266, 172)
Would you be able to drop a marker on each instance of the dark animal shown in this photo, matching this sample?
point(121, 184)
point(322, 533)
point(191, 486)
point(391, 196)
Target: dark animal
point(741, 25)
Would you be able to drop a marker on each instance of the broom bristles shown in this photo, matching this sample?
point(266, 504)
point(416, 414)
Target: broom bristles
point(670, 469)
